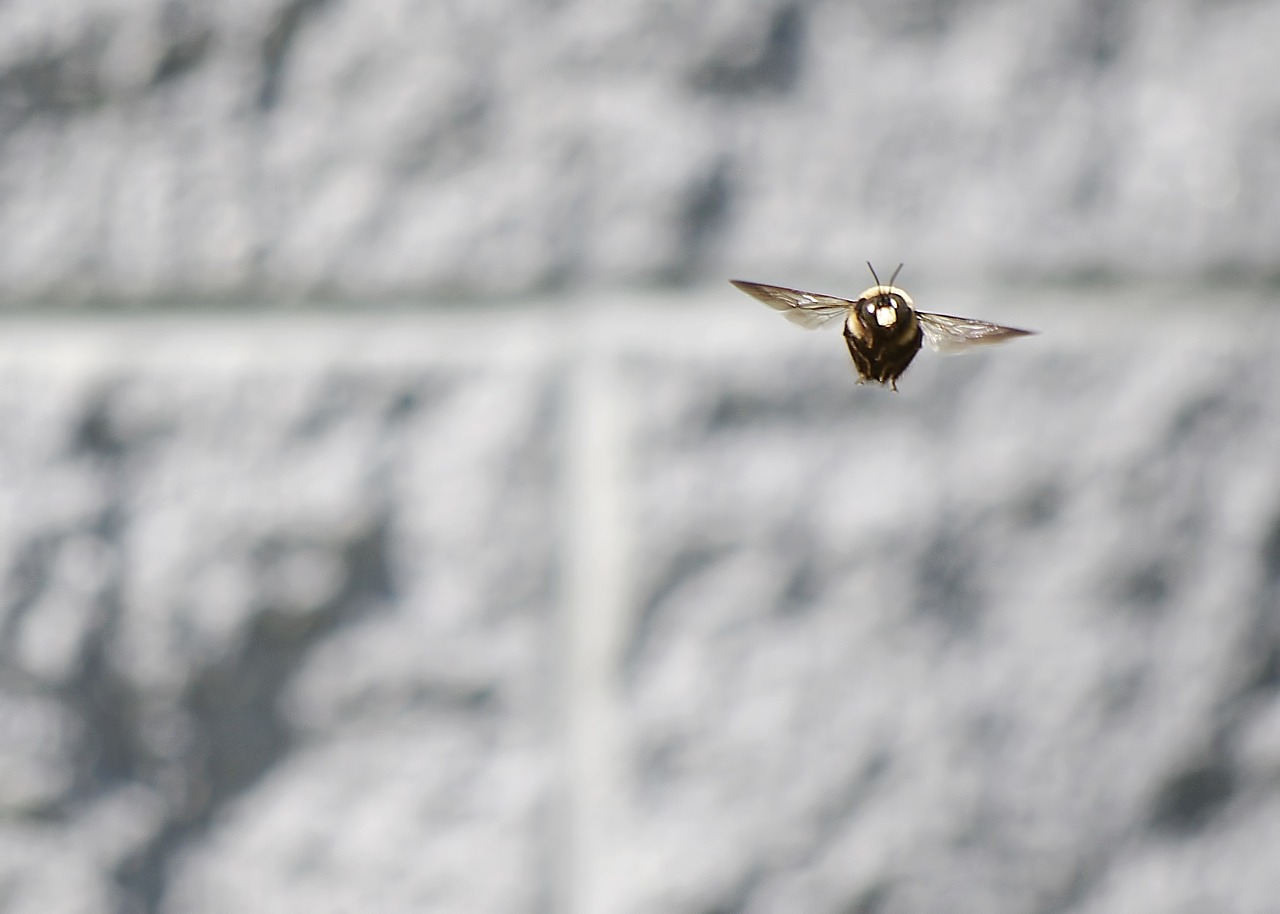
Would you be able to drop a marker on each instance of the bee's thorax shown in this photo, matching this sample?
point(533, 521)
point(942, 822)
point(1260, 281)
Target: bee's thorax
point(876, 292)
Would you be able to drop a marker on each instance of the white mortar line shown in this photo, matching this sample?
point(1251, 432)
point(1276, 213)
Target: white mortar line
point(595, 617)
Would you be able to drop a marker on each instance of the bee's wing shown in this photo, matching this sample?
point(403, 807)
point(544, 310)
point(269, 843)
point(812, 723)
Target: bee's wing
point(945, 333)
point(808, 309)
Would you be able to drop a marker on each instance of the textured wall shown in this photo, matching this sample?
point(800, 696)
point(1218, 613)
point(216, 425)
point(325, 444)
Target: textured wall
point(597, 605)
point(311, 562)
point(162, 149)
point(652, 612)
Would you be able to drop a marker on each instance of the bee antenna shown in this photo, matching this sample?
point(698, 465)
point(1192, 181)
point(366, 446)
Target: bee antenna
point(873, 272)
point(895, 274)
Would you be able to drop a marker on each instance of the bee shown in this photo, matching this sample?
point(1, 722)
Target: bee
point(882, 327)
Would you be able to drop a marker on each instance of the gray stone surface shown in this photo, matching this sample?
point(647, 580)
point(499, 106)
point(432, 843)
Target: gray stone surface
point(169, 150)
point(1005, 642)
point(607, 606)
point(652, 611)
point(275, 580)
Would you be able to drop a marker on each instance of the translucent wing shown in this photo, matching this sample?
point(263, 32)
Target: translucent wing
point(808, 309)
point(945, 333)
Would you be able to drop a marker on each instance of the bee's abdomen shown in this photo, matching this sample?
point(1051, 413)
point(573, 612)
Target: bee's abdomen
point(883, 359)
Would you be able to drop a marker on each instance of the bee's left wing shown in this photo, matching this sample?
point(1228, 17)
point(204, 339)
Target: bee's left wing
point(808, 309)
point(945, 333)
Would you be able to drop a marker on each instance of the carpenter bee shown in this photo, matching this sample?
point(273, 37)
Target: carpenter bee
point(882, 327)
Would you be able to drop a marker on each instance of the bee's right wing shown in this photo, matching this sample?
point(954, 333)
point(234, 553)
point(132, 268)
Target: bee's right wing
point(808, 309)
point(945, 333)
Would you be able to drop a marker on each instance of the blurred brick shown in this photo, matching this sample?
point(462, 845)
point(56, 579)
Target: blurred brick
point(243, 560)
point(167, 151)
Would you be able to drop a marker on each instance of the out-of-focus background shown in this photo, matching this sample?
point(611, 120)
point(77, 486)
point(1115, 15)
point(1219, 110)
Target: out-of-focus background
point(398, 512)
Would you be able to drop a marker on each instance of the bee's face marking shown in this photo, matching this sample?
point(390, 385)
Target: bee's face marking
point(887, 313)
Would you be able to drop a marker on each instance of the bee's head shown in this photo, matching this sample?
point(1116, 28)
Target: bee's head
point(883, 312)
point(883, 309)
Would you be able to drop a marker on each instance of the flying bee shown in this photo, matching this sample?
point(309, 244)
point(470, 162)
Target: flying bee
point(882, 327)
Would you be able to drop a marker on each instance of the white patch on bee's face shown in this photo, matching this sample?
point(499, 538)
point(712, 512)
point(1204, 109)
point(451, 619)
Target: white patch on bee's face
point(886, 315)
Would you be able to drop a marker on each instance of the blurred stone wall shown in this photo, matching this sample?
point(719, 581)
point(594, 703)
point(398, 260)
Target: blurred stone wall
point(169, 150)
point(638, 608)
point(596, 604)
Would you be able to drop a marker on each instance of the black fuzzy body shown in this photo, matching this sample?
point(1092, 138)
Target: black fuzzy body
point(881, 353)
